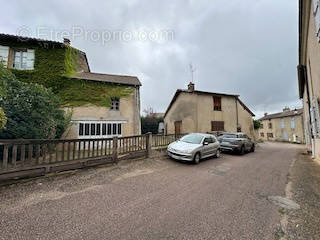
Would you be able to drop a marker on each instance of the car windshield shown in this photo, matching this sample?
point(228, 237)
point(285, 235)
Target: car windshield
point(229, 136)
point(192, 138)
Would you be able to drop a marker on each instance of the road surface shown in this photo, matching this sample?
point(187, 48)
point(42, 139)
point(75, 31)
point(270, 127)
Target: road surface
point(223, 198)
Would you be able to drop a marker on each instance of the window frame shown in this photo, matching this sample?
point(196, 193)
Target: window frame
point(99, 128)
point(217, 126)
point(293, 123)
point(4, 58)
point(115, 104)
point(23, 65)
point(270, 135)
point(217, 103)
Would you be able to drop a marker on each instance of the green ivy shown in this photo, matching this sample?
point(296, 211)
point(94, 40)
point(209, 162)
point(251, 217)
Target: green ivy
point(3, 119)
point(53, 67)
point(82, 92)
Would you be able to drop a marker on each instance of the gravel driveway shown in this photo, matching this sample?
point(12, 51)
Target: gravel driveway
point(223, 198)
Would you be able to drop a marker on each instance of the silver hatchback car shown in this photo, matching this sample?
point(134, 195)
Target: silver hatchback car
point(194, 147)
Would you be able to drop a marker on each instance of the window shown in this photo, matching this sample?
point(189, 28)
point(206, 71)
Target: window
point(86, 129)
point(104, 129)
point(217, 126)
point(208, 140)
point(282, 125)
point(261, 125)
point(270, 125)
point(4, 53)
point(93, 129)
point(99, 130)
point(23, 59)
point(109, 129)
point(114, 129)
point(316, 13)
point(115, 103)
point(293, 124)
point(216, 103)
point(81, 129)
point(119, 128)
point(270, 135)
point(262, 134)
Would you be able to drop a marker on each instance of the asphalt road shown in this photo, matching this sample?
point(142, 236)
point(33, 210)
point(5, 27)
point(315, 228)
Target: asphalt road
point(223, 198)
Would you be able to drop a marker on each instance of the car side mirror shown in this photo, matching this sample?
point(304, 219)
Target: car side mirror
point(205, 143)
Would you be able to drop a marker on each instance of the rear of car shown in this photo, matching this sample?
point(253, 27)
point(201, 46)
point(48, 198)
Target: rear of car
point(236, 142)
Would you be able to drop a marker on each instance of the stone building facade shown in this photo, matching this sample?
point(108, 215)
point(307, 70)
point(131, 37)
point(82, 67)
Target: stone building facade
point(286, 126)
point(309, 71)
point(102, 105)
point(197, 111)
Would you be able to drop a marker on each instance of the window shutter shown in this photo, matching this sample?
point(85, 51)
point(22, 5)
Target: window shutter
point(217, 126)
point(316, 13)
point(30, 59)
point(4, 53)
point(315, 6)
point(315, 118)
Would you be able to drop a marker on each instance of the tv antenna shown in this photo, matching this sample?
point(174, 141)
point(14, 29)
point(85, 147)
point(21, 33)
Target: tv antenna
point(192, 70)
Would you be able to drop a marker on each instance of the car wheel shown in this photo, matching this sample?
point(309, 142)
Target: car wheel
point(217, 153)
point(196, 158)
point(252, 148)
point(242, 150)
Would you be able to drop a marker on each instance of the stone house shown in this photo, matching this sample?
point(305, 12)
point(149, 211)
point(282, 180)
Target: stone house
point(198, 111)
point(101, 105)
point(284, 126)
point(309, 71)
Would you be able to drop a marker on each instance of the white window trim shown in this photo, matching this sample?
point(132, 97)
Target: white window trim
point(30, 56)
point(293, 123)
point(4, 58)
point(99, 122)
point(114, 104)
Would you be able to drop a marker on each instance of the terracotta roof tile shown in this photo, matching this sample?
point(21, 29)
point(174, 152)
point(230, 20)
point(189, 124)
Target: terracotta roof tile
point(283, 114)
point(108, 78)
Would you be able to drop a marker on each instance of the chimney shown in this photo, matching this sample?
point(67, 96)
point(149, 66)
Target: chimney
point(66, 41)
point(265, 114)
point(286, 109)
point(191, 86)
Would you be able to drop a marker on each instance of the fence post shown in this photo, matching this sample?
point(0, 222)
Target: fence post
point(149, 143)
point(115, 149)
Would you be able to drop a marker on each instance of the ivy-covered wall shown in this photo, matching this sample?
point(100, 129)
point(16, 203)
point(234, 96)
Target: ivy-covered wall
point(54, 64)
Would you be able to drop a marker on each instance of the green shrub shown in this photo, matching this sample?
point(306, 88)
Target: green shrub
point(256, 124)
point(32, 111)
point(3, 119)
point(150, 124)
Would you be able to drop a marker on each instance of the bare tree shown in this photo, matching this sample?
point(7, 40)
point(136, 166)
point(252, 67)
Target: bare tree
point(148, 111)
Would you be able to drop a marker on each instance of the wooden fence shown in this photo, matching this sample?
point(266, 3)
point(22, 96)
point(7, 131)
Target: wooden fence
point(19, 158)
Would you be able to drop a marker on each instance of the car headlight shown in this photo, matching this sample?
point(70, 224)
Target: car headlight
point(186, 151)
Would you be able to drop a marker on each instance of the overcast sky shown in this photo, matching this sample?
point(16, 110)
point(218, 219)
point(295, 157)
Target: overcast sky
point(245, 47)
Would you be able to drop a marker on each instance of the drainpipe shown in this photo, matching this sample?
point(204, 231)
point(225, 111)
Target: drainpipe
point(134, 110)
point(309, 107)
point(236, 99)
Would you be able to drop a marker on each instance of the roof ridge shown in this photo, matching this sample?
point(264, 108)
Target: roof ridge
point(22, 38)
point(118, 75)
point(283, 114)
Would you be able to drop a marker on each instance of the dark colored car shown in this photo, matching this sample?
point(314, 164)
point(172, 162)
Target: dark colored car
point(236, 142)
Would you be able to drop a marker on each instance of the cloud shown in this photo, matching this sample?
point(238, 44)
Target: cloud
point(242, 47)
